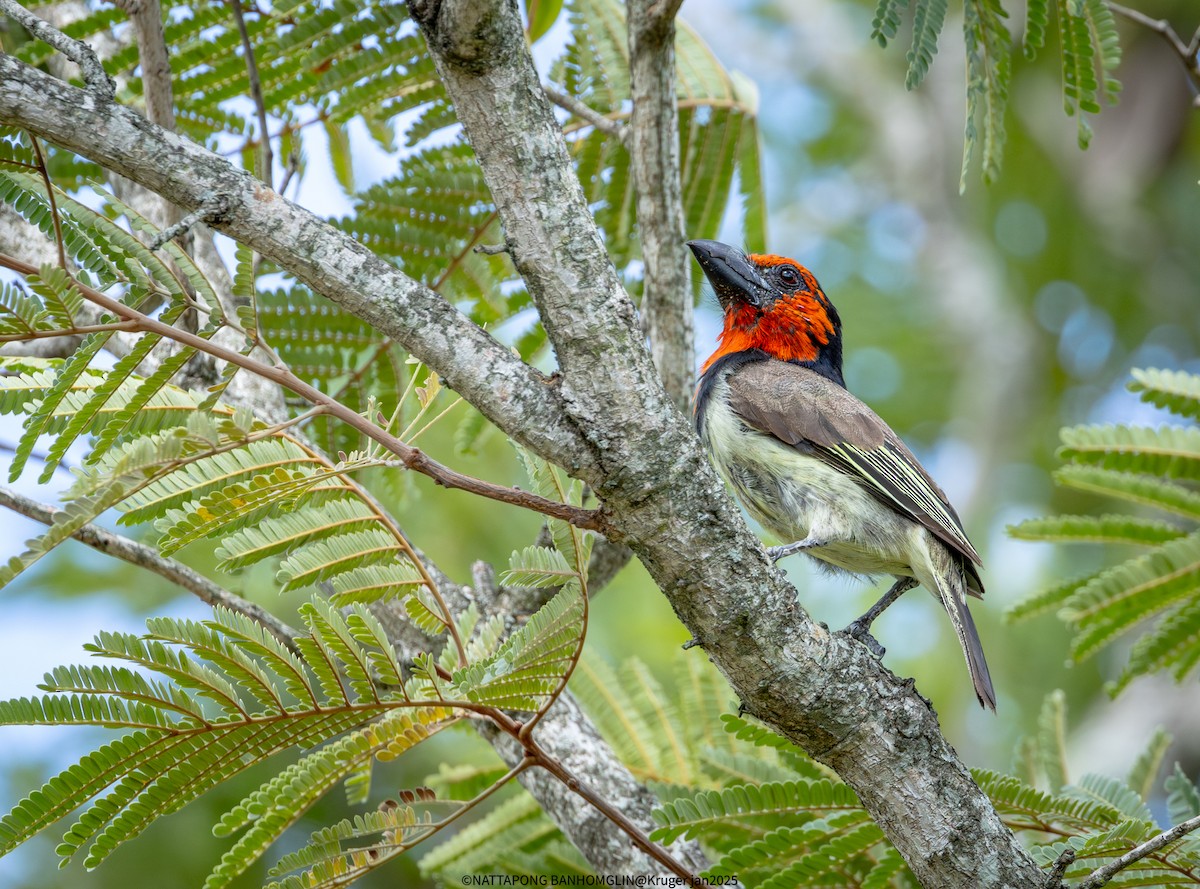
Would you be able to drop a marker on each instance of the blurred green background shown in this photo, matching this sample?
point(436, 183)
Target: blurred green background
point(976, 325)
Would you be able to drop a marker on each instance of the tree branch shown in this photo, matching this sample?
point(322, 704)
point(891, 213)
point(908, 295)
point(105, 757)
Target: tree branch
point(1102, 875)
point(157, 90)
point(265, 159)
point(821, 690)
point(147, 557)
point(99, 84)
point(525, 404)
point(583, 112)
point(667, 309)
point(1189, 53)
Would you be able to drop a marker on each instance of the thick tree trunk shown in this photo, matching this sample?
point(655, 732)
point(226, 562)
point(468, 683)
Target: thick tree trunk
point(607, 420)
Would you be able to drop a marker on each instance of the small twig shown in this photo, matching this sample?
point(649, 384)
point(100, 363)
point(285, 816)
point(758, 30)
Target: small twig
point(58, 235)
point(1187, 52)
point(410, 457)
point(290, 169)
point(613, 814)
point(208, 212)
point(580, 110)
point(266, 159)
point(81, 330)
point(1054, 880)
point(94, 76)
point(491, 249)
point(146, 557)
point(1102, 875)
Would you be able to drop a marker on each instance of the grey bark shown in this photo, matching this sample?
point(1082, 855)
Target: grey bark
point(570, 736)
point(667, 309)
point(823, 691)
point(471, 362)
point(147, 557)
point(608, 421)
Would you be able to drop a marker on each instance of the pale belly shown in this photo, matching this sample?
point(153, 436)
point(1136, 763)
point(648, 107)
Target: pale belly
point(794, 495)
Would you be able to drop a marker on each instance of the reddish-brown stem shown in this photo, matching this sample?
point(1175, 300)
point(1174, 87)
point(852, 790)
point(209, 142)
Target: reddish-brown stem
point(58, 235)
point(616, 816)
point(69, 331)
point(539, 757)
point(412, 458)
point(266, 159)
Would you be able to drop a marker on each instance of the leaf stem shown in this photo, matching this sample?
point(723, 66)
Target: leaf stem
point(58, 235)
point(1101, 875)
point(412, 458)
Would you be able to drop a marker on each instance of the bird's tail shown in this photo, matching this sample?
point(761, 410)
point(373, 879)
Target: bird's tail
point(948, 580)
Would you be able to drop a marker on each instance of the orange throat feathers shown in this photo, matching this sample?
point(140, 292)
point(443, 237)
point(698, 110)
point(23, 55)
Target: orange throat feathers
point(793, 328)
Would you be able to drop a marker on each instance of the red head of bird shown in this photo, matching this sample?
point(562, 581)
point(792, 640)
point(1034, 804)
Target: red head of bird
point(772, 305)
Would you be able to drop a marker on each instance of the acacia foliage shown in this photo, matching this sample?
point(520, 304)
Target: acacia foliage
point(1155, 592)
point(1089, 49)
point(148, 418)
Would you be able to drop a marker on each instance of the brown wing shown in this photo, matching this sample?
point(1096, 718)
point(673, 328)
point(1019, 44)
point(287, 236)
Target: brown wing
point(813, 414)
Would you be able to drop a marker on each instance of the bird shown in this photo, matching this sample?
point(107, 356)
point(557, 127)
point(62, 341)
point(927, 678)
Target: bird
point(813, 464)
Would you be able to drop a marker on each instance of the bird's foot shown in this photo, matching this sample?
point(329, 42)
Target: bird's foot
point(790, 549)
point(861, 631)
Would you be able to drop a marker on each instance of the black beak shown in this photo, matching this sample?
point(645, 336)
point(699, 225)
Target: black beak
point(733, 277)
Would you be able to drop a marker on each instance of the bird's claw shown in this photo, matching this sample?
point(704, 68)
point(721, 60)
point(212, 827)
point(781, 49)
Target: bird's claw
point(775, 553)
point(862, 632)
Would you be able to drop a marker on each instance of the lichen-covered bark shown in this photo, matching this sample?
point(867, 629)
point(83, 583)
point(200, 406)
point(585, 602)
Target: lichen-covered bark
point(478, 367)
point(826, 692)
point(608, 420)
point(570, 736)
point(667, 309)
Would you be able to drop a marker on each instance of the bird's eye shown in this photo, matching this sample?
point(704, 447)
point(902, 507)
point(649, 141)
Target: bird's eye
point(789, 276)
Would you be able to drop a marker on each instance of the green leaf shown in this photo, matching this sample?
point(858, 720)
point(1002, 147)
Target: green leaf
point(1120, 597)
point(887, 20)
point(1145, 490)
point(1171, 451)
point(537, 566)
point(1049, 599)
point(928, 17)
point(989, 71)
point(1105, 529)
point(341, 155)
point(1052, 739)
point(542, 15)
point(686, 816)
point(1113, 792)
point(1173, 644)
point(529, 668)
point(1183, 796)
point(1037, 19)
point(1175, 390)
point(1078, 66)
point(1143, 775)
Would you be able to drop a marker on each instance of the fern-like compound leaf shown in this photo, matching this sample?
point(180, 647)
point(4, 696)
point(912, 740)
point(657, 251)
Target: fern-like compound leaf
point(1175, 390)
point(928, 18)
point(1104, 529)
